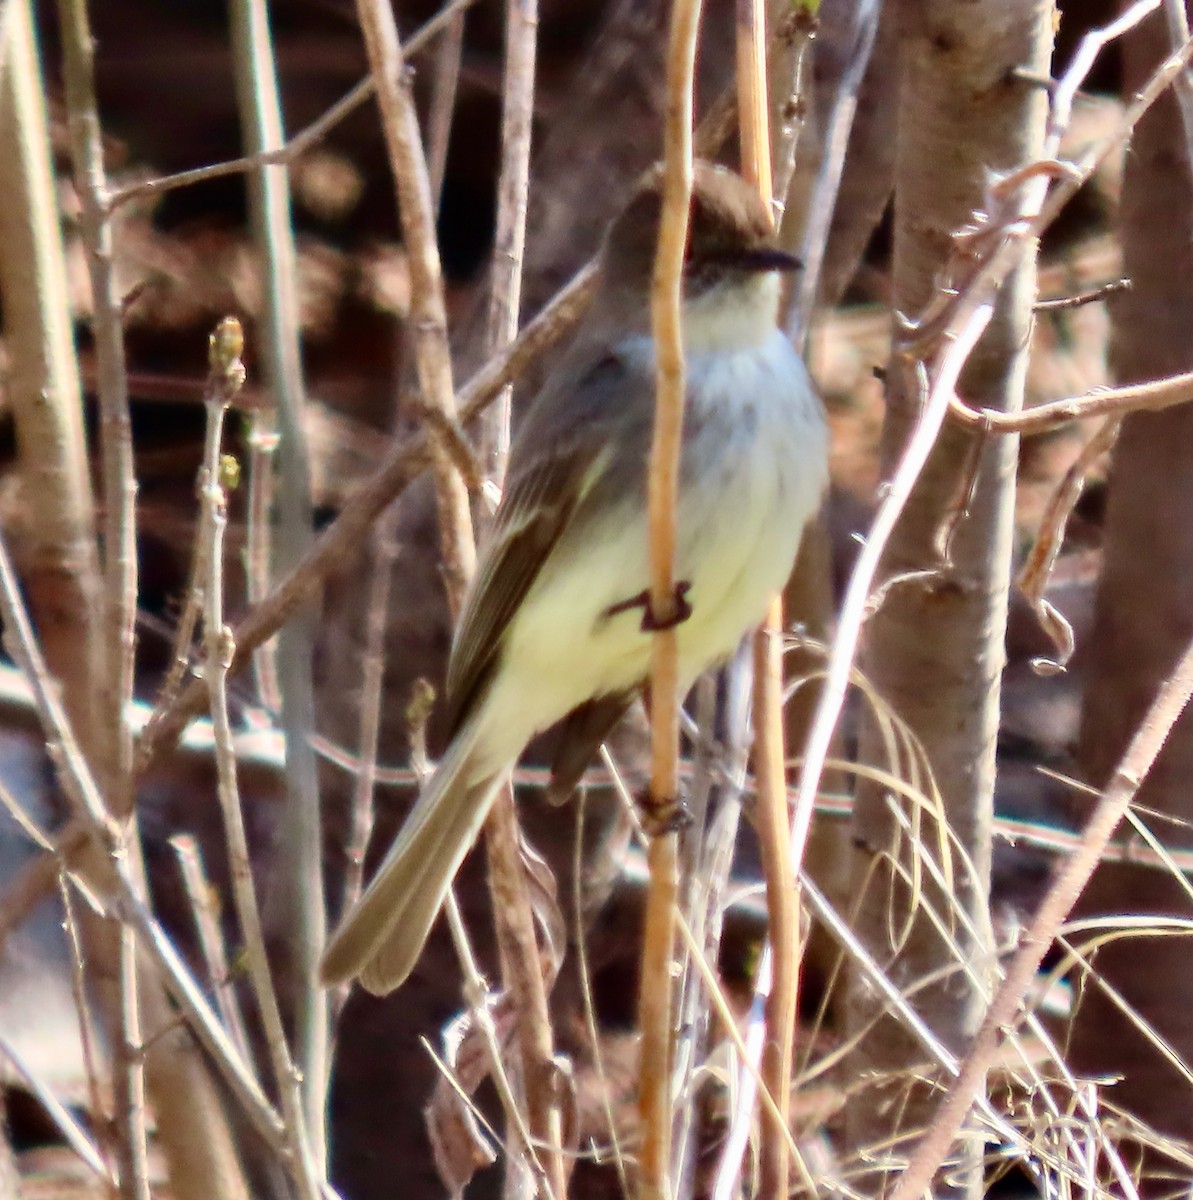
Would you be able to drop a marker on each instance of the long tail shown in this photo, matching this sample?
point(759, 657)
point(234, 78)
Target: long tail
point(381, 939)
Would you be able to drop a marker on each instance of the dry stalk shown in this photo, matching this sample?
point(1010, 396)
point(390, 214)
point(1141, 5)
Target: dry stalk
point(1178, 34)
point(182, 644)
point(784, 951)
point(1037, 567)
point(584, 974)
point(385, 553)
point(87, 1040)
point(263, 443)
point(476, 994)
point(655, 998)
point(794, 28)
point(196, 1138)
point(383, 542)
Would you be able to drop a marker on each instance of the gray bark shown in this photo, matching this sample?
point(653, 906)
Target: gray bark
point(935, 649)
point(1144, 612)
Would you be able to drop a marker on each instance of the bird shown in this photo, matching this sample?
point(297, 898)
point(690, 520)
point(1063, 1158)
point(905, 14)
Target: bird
point(556, 625)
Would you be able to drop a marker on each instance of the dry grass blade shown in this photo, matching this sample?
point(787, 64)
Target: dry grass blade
point(1067, 885)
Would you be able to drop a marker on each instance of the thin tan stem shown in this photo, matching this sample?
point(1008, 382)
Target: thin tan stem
point(769, 754)
point(87, 1038)
point(782, 900)
point(655, 1004)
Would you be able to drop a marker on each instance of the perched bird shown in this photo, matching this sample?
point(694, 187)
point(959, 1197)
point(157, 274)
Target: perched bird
point(554, 627)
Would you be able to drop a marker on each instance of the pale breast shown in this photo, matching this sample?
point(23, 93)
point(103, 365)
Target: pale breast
point(753, 472)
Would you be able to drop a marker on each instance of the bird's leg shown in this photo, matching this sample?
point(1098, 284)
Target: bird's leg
point(680, 612)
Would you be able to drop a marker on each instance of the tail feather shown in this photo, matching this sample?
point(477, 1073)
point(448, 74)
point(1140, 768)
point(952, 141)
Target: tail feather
point(381, 939)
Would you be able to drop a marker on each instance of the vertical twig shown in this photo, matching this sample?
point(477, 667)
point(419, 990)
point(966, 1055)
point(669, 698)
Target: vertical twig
point(211, 940)
point(769, 755)
point(78, 989)
point(226, 378)
point(384, 535)
point(795, 38)
point(262, 443)
point(782, 955)
point(428, 318)
point(443, 102)
point(116, 439)
point(824, 191)
point(385, 552)
point(130, 1058)
point(298, 902)
point(513, 187)
point(1178, 34)
point(194, 1135)
point(521, 965)
point(658, 944)
point(428, 314)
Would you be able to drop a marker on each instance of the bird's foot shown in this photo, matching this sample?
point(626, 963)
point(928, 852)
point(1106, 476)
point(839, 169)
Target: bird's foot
point(662, 816)
point(681, 610)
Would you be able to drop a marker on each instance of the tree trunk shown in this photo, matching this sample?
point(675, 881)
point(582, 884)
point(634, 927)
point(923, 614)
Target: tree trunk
point(935, 648)
point(1144, 612)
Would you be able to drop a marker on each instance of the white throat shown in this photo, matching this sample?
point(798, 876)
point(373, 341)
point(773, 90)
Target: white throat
point(735, 315)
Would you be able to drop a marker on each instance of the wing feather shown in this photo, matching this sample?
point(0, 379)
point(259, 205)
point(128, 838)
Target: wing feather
point(558, 451)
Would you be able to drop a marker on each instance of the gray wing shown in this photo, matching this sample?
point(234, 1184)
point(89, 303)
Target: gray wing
point(580, 737)
point(568, 429)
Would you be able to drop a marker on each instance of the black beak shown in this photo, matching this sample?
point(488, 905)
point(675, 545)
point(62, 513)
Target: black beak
point(766, 258)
